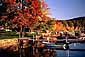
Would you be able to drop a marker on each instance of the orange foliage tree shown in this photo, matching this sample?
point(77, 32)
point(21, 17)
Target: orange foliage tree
point(26, 12)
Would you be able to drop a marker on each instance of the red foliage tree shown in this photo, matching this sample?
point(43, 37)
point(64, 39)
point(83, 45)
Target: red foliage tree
point(28, 12)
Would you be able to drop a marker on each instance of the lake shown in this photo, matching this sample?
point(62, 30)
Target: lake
point(56, 53)
point(68, 53)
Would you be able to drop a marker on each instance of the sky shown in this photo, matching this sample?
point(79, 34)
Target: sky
point(66, 9)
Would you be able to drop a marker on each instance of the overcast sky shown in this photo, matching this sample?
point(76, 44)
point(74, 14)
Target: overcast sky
point(66, 9)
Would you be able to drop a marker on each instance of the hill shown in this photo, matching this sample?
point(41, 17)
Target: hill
point(75, 23)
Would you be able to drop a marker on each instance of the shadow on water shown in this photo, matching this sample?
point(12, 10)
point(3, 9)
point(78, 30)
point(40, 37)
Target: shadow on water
point(28, 53)
point(39, 52)
point(7, 53)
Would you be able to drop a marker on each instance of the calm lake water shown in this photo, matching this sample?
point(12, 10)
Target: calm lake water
point(68, 53)
point(57, 53)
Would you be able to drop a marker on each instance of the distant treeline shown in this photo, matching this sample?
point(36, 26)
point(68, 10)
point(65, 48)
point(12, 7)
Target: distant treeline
point(75, 22)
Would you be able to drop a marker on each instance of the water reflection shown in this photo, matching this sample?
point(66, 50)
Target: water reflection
point(39, 52)
point(77, 46)
point(42, 52)
point(31, 51)
point(75, 53)
point(46, 53)
point(63, 53)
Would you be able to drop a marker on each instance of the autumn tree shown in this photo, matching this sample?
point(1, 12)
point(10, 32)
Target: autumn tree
point(24, 13)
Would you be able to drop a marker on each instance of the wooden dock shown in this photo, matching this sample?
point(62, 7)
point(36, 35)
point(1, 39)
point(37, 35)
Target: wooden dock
point(58, 40)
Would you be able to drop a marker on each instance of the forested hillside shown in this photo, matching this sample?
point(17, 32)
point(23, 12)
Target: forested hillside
point(75, 23)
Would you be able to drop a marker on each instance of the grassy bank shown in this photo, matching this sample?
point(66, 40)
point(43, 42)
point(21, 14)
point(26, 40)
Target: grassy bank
point(8, 35)
point(11, 35)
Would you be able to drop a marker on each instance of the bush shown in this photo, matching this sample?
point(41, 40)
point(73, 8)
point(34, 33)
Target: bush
point(30, 34)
